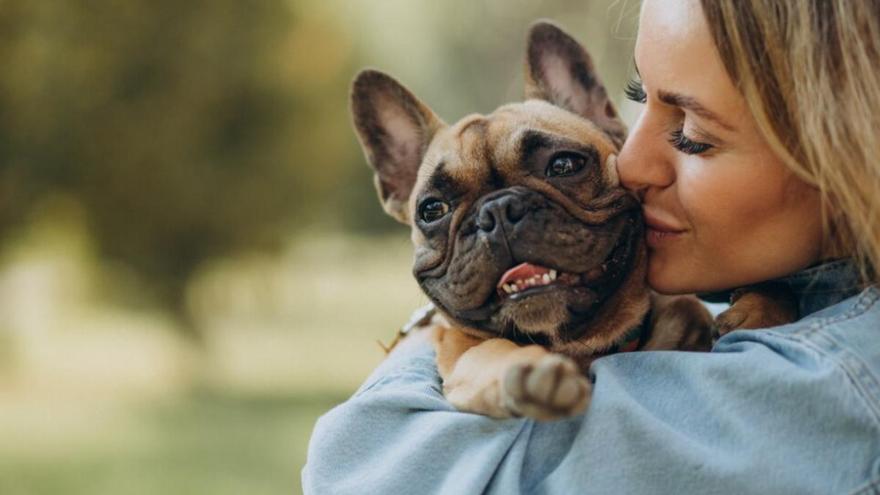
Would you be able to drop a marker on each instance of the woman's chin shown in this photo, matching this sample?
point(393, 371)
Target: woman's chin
point(676, 278)
point(669, 279)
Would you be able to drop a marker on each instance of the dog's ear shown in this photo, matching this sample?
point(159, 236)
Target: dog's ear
point(559, 70)
point(394, 129)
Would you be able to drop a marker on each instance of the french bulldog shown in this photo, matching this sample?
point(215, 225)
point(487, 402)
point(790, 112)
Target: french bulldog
point(525, 242)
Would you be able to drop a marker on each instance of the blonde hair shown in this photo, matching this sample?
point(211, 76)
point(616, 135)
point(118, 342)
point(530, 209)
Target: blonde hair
point(809, 72)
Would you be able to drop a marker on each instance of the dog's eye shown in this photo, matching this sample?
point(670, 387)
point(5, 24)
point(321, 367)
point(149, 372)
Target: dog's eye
point(432, 210)
point(564, 164)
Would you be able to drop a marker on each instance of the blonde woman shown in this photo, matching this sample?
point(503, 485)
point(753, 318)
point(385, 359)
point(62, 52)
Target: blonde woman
point(757, 158)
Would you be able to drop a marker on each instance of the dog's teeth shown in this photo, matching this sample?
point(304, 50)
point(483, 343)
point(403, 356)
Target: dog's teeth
point(506, 288)
point(546, 278)
point(552, 274)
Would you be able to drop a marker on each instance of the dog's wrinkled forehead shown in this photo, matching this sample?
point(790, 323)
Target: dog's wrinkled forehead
point(480, 152)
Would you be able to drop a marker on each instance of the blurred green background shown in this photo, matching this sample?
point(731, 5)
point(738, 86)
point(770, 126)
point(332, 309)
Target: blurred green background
point(193, 263)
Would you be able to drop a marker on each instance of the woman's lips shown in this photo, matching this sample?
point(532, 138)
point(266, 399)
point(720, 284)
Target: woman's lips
point(661, 229)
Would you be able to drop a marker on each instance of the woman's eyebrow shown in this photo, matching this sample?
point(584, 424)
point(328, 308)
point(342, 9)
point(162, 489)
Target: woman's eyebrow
point(690, 103)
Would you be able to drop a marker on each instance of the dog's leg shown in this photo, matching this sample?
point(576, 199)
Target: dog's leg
point(758, 306)
point(498, 378)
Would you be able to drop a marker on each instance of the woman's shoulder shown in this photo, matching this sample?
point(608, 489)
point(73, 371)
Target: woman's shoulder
point(841, 340)
point(791, 409)
point(850, 327)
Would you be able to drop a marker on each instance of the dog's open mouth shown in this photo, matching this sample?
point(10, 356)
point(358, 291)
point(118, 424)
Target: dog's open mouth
point(527, 278)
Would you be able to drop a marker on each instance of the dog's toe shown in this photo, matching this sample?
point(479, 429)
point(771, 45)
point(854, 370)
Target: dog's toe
point(550, 388)
point(728, 321)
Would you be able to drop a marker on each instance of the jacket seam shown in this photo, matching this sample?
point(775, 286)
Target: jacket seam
point(871, 488)
point(863, 381)
point(865, 301)
point(856, 371)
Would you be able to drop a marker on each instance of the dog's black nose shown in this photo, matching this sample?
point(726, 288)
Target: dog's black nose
point(507, 209)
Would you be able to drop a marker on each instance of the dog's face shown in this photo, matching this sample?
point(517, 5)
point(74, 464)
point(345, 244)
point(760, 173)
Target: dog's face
point(520, 225)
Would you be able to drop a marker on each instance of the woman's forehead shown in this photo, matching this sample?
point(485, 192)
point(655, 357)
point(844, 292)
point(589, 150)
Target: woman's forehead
point(671, 20)
point(674, 40)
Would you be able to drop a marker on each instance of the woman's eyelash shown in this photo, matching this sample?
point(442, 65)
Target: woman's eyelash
point(681, 142)
point(635, 92)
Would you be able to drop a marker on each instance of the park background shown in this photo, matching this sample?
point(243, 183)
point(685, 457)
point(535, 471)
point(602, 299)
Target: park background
point(193, 263)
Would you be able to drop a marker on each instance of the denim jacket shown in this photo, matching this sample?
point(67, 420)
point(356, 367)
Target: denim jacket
point(791, 409)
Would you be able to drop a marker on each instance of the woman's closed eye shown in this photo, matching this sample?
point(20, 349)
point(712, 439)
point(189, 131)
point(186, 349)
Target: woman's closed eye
point(686, 145)
point(635, 92)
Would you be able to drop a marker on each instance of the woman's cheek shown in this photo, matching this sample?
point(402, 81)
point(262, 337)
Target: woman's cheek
point(719, 209)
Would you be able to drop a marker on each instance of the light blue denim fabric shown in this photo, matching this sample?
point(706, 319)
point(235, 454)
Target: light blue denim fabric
point(793, 409)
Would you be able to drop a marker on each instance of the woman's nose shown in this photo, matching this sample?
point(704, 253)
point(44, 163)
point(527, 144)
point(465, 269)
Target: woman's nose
point(644, 160)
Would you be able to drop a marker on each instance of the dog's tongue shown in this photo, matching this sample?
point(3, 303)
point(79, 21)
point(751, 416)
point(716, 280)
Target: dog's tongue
point(521, 272)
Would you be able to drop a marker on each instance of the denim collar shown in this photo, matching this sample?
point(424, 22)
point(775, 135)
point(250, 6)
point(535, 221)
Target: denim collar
point(815, 288)
point(823, 285)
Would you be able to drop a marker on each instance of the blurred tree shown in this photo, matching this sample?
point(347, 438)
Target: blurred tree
point(183, 128)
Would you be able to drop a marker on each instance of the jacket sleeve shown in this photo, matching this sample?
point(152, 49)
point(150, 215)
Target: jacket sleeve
point(398, 434)
point(759, 414)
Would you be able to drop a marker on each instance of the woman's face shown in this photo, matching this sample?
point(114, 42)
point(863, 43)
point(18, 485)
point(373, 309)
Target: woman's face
point(722, 210)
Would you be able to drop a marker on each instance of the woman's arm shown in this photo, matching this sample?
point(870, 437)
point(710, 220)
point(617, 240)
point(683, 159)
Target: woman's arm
point(398, 434)
point(762, 413)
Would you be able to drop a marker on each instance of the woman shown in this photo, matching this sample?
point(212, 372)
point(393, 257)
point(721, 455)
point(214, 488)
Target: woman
point(756, 158)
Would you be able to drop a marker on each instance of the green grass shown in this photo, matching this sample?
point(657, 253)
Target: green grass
point(104, 399)
point(207, 443)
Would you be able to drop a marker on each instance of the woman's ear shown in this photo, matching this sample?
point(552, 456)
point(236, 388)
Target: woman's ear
point(394, 129)
point(559, 70)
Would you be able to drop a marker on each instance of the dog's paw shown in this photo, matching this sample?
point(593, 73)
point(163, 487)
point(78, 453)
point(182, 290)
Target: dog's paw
point(551, 388)
point(745, 318)
point(729, 320)
point(757, 308)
